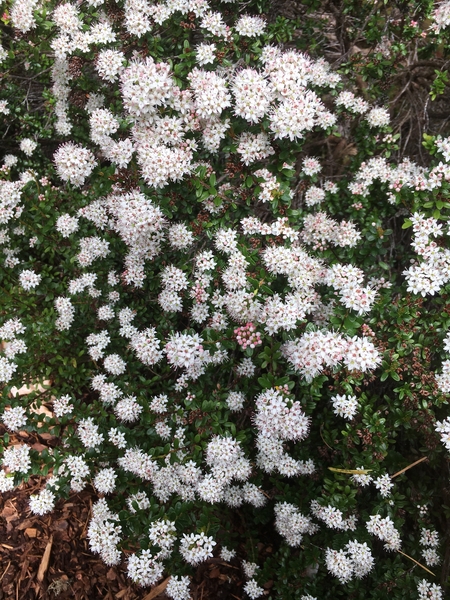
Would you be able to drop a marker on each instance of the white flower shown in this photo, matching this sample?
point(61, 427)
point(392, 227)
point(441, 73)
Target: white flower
point(205, 53)
point(235, 401)
point(250, 26)
point(253, 590)
point(311, 165)
point(114, 364)
point(339, 564)
point(196, 548)
point(384, 529)
point(249, 568)
point(128, 409)
point(384, 484)
point(226, 554)
point(178, 588)
point(66, 225)
point(44, 503)
point(62, 406)
point(362, 479)
point(10, 160)
point(17, 458)
point(104, 534)
point(105, 481)
point(180, 237)
point(345, 406)
point(74, 163)
point(429, 591)
point(378, 117)
point(431, 556)
point(88, 433)
point(429, 538)
point(29, 279)
point(6, 482)
point(28, 146)
point(15, 418)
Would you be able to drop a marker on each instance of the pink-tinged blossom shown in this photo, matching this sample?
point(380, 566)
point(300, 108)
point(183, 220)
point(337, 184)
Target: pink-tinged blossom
point(279, 416)
point(210, 93)
point(441, 17)
point(147, 346)
point(250, 26)
point(254, 147)
point(311, 166)
point(146, 85)
point(213, 22)
point(252, 95)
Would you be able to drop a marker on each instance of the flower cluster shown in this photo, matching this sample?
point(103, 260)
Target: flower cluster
point(429, 540)
point(384, 530)
point(355, 560)
point(74, 163)
point(314, 351)
point(291, 524)
point(196, 547)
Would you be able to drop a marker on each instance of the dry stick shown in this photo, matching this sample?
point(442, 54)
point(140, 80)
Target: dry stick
point(45, 560)
point(350, 471)
point(4, 572)
point(417, 563)
point(409, 466)
point(157, 590)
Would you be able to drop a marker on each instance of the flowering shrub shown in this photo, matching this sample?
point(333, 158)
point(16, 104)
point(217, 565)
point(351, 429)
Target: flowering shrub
point(225, 321)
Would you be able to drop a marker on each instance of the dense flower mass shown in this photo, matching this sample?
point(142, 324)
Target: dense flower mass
point(225, 289)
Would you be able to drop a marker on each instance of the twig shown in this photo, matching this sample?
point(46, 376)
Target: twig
point(417, 563)
point(409, 466)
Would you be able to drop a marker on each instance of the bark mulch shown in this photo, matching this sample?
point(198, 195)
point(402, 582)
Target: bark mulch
point(48, 557)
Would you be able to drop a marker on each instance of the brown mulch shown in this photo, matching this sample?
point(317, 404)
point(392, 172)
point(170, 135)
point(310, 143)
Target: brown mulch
point(48, 557)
